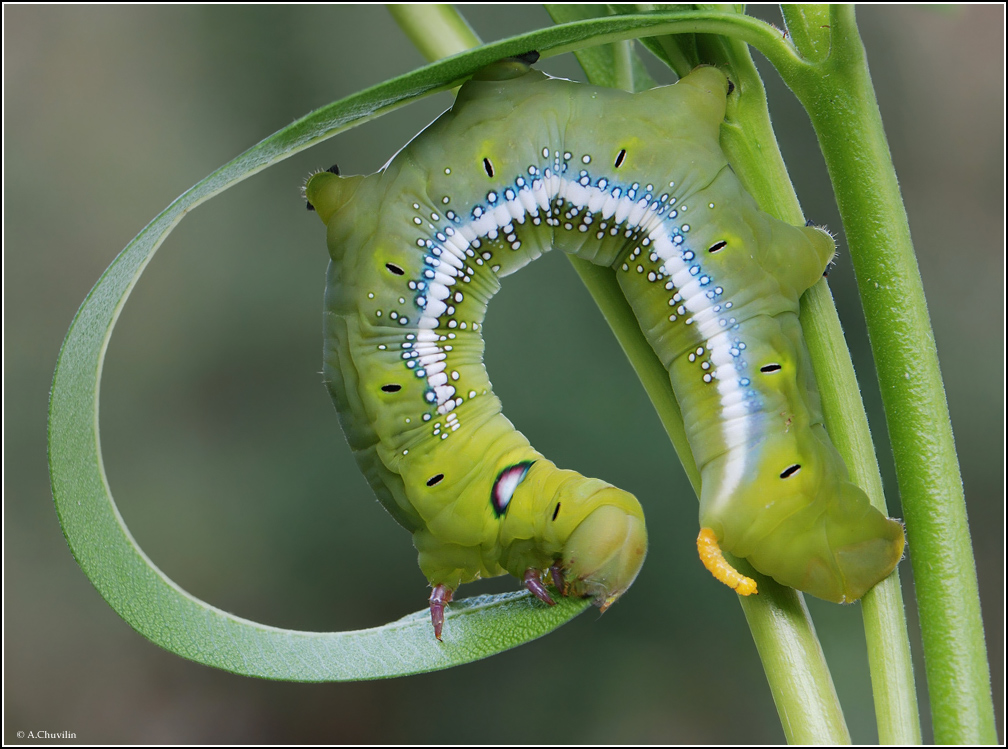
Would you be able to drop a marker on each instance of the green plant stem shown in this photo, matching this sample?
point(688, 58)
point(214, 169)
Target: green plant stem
point(623, 54)
point(613, 65)
point(436, 30)
point(839, 97)
point(897, 713)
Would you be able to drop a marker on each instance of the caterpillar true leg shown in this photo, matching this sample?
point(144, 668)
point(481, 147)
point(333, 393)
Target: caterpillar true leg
point(441, 595)
point(556, 573)
point(533, 581)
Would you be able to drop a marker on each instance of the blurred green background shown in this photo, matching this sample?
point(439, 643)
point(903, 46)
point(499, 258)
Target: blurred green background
point(225, 454)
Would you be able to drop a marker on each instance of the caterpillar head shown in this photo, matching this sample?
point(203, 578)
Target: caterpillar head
point(604, 553)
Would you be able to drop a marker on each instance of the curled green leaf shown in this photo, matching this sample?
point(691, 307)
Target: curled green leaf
point(95, 531)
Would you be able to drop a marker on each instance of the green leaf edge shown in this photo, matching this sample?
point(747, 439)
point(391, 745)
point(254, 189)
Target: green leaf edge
point(97, 534)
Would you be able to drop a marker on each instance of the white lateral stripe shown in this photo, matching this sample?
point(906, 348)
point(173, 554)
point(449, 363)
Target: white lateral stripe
point(436, 290)
point(452, 256)
point(433, 368)
point(502, 216)
point(432, 311)
point(535, 197)
point(637, 212)
point(596, 199)
point(528, 200)
point(431, 358)
point(443, 278)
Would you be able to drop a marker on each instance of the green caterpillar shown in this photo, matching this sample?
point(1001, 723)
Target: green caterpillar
point(523, 163)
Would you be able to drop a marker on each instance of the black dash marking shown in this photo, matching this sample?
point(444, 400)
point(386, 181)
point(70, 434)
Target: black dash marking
point(768, 368)
point(731, 87)
point(619, 158)
point(309, 206)
point(435, 479)
point(790, 471)
point(556, 511)
point(717, 246)
point(393, 268)
point(334, 169)
point(529, 58)
point(391, 388)
point(488, 167)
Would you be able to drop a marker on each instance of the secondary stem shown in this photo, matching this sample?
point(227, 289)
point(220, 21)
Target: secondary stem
point(839, 97)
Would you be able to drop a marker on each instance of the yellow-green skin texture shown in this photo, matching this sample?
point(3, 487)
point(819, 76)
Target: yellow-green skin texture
point(521, 164)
